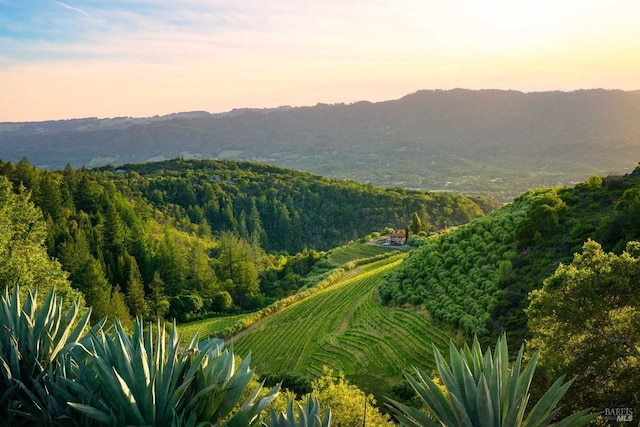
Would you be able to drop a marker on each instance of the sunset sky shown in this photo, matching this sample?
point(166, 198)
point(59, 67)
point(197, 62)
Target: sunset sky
point(83, 58)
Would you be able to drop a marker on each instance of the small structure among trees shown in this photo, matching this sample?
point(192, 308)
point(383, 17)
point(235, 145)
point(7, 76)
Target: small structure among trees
point(397, 238)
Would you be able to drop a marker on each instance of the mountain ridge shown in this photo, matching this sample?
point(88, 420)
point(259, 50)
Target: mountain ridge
point(491, 142)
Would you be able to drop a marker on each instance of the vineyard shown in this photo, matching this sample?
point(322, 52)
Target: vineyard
point(346, 329)
point(353, 251)
point(210, 327)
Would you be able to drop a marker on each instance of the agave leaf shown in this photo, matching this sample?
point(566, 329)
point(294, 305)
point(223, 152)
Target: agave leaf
point(515, 413)
point(578, 419)
point(502, 392)
point(79, 328)
point(233, 391)
point(69, 337)
point(511, 384)
point(524, 380)
point(174, 393)
point(445, 372)
point(326, 420)
point(472, 393)
point(499, 383)
point(432, 396)
point(91, 412)
point(248, 413)
point(462, 416)
point(275, 420)
point(469, 356)
point(485, 405)
point(462, 377)
point(9, 392)
point(303, 418)
point(544, 410)
point(127, 396)
point(142, 379)
point(411, 417)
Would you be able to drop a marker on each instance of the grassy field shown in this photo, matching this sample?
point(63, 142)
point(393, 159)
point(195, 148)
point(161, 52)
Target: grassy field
point(354, 251)
point(345, 328)
point(211, 327)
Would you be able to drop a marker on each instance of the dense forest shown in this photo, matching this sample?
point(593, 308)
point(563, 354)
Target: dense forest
point(558, 267)
point(477, 277)
point(179, 239)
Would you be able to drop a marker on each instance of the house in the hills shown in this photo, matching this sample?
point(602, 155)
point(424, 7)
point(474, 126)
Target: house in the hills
point(397, 238)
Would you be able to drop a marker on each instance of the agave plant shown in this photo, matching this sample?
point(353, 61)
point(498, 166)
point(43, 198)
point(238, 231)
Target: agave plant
point(309, 416)
point(485, 390)
point(34, 341)
point(148, 379)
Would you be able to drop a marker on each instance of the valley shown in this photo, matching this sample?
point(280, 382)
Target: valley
point(491, 143)
point(277, 262)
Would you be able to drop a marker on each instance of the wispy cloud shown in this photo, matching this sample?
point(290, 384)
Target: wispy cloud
point(219, 54)
point(75, 9)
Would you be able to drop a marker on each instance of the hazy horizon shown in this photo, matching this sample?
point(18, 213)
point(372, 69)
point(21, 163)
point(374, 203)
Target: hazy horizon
point(309, 105)
point(75, 59)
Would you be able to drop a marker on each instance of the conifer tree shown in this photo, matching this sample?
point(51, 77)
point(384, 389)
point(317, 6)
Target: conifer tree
point(114, 233)
point(158, 302)
point(416, 224)
point(118, 309)
point(92, 281)
point(135, 292)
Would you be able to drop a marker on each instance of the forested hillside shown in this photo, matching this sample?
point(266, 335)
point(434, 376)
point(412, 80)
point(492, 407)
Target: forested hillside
point(558, 267)
point(126, 240)
point(179, 239)
point(282, 209)
point(478, 276)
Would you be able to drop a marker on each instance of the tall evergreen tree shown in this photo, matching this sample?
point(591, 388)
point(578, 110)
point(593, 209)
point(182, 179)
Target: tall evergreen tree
point(49, 197)
point(158, 301)
point(135, 292)
point(87, 193)
point(93, 283)
point(114, 233)
point(118, 309)
point(236, 266)
point(416, 224)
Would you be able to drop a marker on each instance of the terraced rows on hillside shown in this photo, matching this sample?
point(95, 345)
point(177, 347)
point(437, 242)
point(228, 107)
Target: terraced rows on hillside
point(346, 329)
point(209, 327)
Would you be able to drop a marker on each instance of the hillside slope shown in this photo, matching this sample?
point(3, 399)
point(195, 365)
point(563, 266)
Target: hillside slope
point(179, 239)
point(489, 142)
point(478, 277)
point(345, 328)
point(285, 209)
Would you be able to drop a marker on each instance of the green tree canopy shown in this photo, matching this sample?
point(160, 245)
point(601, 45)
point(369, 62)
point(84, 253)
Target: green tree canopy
point(586, 321)
point(416, 224)
point(24, 260)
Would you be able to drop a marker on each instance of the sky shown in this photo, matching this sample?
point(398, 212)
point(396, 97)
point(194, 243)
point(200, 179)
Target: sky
point(92, 58)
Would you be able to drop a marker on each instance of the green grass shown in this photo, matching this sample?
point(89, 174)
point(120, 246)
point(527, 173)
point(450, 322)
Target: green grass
point(345, 328)
point(211, 327)
point(354, 251)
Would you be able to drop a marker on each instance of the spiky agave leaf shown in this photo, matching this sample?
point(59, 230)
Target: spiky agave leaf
point(33, 343)
point(309, 416)
point(149, 379)
point(485, 390)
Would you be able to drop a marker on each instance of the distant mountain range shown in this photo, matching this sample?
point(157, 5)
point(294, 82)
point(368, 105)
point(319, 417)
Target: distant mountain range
point(487, 142)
